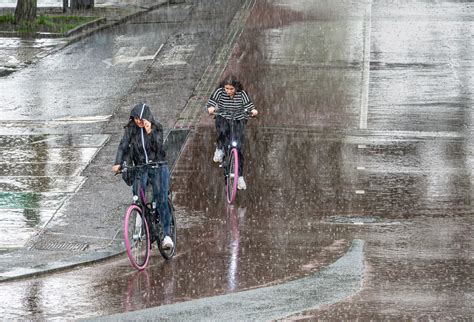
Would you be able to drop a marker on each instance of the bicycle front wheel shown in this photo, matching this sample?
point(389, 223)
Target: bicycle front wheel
point(232, 176)
point(137, 237)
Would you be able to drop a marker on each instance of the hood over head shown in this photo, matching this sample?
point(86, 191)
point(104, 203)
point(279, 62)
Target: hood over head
point(142, 111)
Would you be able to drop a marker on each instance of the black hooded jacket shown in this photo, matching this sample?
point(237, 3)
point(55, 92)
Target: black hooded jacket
point(142, 146)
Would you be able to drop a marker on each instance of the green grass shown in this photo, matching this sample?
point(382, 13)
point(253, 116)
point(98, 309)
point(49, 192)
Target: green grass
point(44, 23)
point(10, 18)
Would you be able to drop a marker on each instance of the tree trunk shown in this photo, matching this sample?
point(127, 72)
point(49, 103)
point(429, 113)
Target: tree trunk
point(25, 11)
point(82, 4)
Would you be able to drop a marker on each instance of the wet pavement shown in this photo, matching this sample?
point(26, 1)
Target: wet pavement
point(362, 150)
point(52, 137)
point(17, 53)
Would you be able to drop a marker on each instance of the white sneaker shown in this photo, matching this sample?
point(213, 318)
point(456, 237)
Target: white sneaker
point(218, 155)
point(241, 184)
point(167, 243)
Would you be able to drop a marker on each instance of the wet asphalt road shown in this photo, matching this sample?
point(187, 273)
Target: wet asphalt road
point(364, 134)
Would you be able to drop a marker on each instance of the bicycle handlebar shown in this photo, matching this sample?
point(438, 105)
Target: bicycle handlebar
point(125, 167)
point(218, 113)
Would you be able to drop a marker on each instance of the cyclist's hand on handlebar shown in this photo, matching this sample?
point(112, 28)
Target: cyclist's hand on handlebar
point(116, 168)
point(211, 110)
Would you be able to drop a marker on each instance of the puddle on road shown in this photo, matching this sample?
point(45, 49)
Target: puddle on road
point(16, 53)
point(40, 169)
point(38, 174)
point(355, 220)
point(40, 184)
point(5, 71)
point(47, 155)
point(23, 223)
point(29, 200)
point(54, 140)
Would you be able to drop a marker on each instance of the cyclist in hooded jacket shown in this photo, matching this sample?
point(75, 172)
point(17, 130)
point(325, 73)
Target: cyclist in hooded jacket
point(143, 140)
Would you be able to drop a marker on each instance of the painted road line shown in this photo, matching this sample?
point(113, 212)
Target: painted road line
point(329, 285)
point(364, 93)
point(124, 58)
point(177, 55)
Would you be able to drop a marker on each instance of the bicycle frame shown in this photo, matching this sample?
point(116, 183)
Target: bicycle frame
point(141, 200)
point(231, 160)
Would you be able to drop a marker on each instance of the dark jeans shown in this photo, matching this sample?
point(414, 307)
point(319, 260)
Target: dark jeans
point(223, 127)
point(159, 177)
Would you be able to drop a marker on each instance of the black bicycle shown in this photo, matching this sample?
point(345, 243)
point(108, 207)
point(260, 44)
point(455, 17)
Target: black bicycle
point(142, 227)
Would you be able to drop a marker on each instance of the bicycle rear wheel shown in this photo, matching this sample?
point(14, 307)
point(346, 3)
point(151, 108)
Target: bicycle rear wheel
point(137, 237)
point(168, 253)
point(232, 176)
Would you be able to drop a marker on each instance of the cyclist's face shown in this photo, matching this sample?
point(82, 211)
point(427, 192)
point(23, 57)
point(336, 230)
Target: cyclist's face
point(230, 90)
point(139, 122)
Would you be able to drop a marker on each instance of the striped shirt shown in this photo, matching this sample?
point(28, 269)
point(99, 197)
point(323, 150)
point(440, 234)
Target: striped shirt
point(240, 104)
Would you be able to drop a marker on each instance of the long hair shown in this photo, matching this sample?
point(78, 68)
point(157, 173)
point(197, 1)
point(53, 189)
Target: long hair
point(232, 80)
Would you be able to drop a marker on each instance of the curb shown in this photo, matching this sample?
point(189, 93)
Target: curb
point(48, 35)
point(88, 259)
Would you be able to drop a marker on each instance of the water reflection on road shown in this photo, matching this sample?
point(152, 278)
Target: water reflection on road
point(316, 178)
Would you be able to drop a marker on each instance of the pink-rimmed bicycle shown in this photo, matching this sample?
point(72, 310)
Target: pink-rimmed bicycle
point(231, 161)
point(142, 228)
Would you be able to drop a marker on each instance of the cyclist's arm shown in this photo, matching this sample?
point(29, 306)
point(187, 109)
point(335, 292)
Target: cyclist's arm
point(212, 103)
point(122, 149)
point(248, 104)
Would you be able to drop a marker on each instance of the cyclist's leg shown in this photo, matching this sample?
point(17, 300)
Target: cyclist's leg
point(161, 185)
point(144, 180)
point(240, 133)
point(137, 181)
point(223, 130)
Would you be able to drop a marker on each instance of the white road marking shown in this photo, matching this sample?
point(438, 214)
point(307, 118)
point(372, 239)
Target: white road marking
point(83, 119)
point(364, 94)
point(122, 57)
point(178, 55)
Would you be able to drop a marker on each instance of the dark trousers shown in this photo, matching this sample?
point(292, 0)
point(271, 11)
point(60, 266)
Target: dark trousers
point(160, 181)
point(223, 127)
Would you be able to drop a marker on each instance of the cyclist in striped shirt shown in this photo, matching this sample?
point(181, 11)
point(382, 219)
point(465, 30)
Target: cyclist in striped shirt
point(232, 101)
